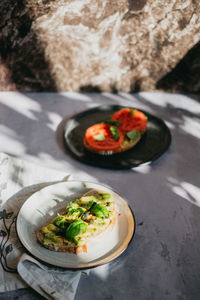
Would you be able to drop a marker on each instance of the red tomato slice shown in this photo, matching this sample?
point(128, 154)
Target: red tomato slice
point(130, 119)
point(109, 143)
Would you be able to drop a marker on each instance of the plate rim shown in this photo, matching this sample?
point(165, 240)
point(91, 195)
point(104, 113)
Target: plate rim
point(97, 262)
point(110, 106)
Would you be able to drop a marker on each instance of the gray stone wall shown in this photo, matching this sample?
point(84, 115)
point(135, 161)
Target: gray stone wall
point(100, 45)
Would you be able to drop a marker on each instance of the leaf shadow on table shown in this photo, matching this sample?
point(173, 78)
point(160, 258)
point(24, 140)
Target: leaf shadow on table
point(166, 210)
point(40, 124)
point(153, 250)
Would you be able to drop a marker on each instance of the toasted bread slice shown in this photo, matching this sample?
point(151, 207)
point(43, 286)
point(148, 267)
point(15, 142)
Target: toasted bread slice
point(126, 145)
point(53, 239)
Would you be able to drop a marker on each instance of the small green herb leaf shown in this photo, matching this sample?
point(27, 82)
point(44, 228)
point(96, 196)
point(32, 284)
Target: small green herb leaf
point(100, 211)
point(133, 135)
point(115, 132)
point(132, 112)
point(114, 123)
point(75, 229)
point(99, 137)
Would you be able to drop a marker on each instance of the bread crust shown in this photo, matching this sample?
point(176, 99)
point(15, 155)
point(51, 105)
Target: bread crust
point(75, 248)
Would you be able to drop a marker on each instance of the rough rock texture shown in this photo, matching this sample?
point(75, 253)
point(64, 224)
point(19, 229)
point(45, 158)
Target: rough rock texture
point(105, 45)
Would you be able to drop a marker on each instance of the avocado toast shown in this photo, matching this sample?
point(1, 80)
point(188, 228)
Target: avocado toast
point(83, 220)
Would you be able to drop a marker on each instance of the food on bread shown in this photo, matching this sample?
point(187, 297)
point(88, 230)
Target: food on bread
point(115, 146)
point(123, 131)
point(100, 138)
point(130, 119)
point(83, 220)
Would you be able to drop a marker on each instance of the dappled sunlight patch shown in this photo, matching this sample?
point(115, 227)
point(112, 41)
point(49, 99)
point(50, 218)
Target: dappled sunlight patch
point(63, 165)
point(132, 99)
point(154, 99)
point(143, 169)
point(128, 96)
point(183, 102)
point(191, 126)
point(114, 97)
point(169, 124)
point(128, 100)
point(54, 120)
point(102, 272)
point(21, 104)
point(153, 126)
point(71, 125)
point(185, 190)
point(10, 140)
point(77, 96)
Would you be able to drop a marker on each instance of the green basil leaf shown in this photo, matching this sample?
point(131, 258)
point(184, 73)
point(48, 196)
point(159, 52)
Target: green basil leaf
point(132, 112)
point(115, 132)
point(100, 211)
point(115, 123)
point(99, 137)
point(104, 196)
point(133, 135)
point(75, 229)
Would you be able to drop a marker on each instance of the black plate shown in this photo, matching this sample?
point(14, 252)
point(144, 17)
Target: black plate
point(152, 145)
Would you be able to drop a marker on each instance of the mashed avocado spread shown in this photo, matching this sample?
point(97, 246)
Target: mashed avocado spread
point(83, 218)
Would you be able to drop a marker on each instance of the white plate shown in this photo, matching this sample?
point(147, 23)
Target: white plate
point(44, 205)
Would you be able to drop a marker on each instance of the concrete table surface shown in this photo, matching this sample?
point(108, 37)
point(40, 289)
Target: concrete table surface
point(163, 259)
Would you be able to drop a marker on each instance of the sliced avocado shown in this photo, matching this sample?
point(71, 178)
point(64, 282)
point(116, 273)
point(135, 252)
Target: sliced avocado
point(44, 229)
point(106, 196)
point(87, 199)
point(52, 227)
point(74, 214)
point(72, 205)
point(53, 237)
point(75, 211)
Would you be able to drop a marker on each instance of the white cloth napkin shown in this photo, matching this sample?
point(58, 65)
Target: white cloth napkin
point(19, 179)
point(50, 282)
